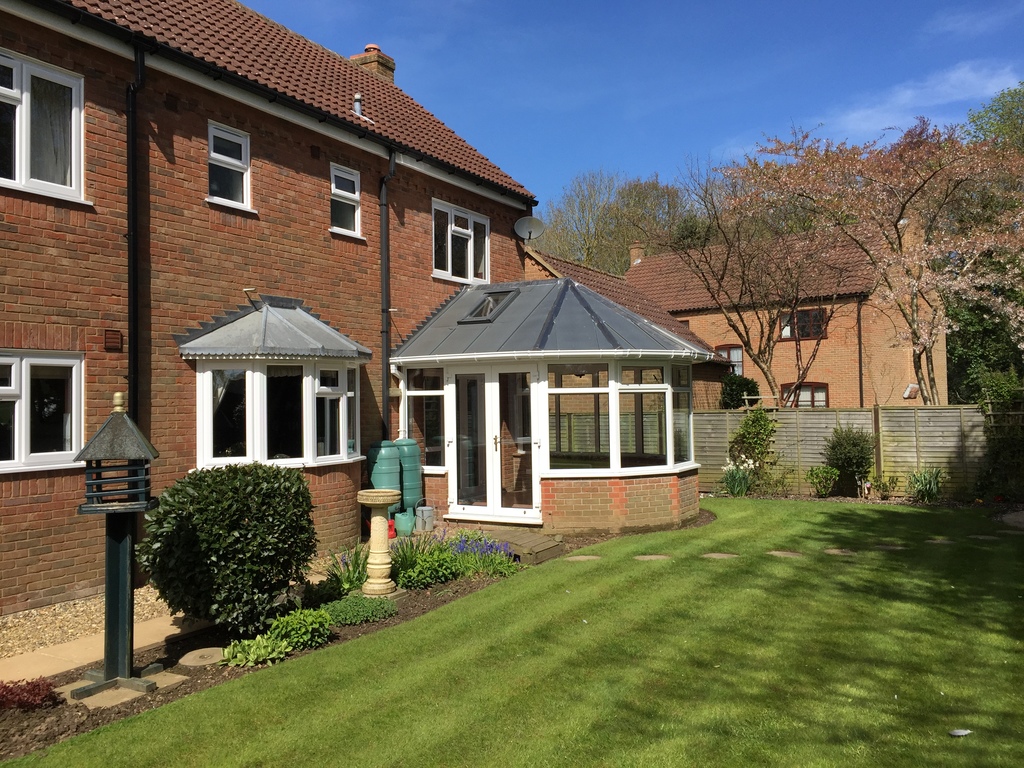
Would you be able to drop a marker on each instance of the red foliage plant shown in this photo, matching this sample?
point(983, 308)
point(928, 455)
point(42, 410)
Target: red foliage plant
point(28, 694)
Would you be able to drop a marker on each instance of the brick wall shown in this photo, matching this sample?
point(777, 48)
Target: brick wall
point(63, 283)
point(619, 504)
point(887, 360)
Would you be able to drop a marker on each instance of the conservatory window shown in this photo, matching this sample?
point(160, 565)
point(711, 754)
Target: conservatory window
point(425, 413)
point(578, 413)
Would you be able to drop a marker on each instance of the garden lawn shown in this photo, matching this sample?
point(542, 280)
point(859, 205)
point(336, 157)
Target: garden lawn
point(862, 660)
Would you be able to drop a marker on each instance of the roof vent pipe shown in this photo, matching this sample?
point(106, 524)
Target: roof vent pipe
point(357, 105)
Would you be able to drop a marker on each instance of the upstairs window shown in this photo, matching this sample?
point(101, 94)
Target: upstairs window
point(461, 244)
point(803, 324)
point(229, 167)
point(344, 201)
point(40, 128)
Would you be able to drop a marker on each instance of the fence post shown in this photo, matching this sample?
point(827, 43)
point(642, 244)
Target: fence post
point(876, 429)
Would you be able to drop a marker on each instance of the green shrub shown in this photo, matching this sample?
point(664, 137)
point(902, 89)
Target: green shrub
point(925, 486)
point(251, 653)
point(359, 609)
point(734, 389)
point(753, 442)
point(320, 592)
point(884, 487)
point(435, 566)
point(302, 629)
point(225, 543)
point(823, 480)
point(852, 452)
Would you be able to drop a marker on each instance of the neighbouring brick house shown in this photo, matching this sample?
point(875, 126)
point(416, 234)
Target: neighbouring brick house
point(862, 360)
point(236, 226)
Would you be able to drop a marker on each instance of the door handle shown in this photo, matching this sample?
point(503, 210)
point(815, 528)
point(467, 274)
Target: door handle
point(495, 442)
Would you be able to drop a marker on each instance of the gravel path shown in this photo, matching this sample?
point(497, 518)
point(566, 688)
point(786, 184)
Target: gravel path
point(37, 628)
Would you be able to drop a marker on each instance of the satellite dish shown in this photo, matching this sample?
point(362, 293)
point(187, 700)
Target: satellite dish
point(529, 228)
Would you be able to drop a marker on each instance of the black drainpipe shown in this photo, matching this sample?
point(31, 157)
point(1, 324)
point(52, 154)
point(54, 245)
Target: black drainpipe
point(860, 351)
point(385, 301)
point(133, 234)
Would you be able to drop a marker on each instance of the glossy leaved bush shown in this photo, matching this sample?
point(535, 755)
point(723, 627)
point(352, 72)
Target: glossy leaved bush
point(225, 543)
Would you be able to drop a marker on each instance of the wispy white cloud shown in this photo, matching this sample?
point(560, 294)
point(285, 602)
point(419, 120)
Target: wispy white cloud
point(974, 22)
point(943, 97)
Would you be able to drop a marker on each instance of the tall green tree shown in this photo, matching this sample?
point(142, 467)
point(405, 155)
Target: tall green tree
point(1002, 119)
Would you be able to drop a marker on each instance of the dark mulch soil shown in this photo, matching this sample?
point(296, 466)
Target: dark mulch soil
point(24, 732)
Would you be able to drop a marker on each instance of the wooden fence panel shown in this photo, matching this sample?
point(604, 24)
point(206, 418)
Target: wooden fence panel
point(910, 439)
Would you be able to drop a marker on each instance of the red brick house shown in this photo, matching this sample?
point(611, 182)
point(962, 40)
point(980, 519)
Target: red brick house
point(861, 361)
point(239, 238)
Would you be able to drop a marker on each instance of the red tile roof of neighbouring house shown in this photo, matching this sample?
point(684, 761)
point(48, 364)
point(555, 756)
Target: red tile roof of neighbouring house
point(616, 288)
point(666, 279)
point(231, 38)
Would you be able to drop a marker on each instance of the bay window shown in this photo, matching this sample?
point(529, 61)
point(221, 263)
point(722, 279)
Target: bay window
point(293, 412)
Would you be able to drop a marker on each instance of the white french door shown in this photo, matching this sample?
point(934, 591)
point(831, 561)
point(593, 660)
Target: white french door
point(494, 447)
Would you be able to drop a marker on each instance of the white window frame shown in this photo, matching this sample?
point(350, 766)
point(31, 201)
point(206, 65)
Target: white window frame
point(351, 198)
point(243, 166)
point(20, 95)
point(348, 428)
point(256, 404)
point(613, 390)
point(20, 394)
point(470, 235)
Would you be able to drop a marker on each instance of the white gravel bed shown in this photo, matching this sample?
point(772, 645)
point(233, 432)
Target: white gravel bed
point(37, 628)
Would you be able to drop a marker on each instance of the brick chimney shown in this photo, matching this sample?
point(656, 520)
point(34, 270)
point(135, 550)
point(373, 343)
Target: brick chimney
point(636, 252)
point(375, 61)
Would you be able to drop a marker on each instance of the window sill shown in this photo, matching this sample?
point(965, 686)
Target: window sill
point(346, 234)
point(66, 197)
point(234, 206)
point(661, 469)
point(461, 280)
point(11, 469)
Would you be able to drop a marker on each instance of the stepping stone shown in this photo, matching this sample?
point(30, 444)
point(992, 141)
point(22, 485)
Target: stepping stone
point(890, 547)
point(581, 558)
point(940, 541)
point(1012, 533)
point(201, 657)
point(167, 680)
point(652, 557)
point(784, 553)
point(108, 698)
point(983, 537)
point(841, 552)
point(718, 555)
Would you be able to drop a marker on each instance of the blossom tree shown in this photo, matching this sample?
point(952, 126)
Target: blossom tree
point(935, 216)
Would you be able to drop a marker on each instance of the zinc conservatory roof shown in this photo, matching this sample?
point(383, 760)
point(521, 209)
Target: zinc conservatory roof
point(274, 327)
point(542, 319)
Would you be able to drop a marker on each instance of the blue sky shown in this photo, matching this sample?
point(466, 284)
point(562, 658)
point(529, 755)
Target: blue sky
point(551, 89)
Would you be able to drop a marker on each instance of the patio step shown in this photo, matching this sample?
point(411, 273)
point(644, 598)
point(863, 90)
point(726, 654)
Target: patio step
point(531, 548)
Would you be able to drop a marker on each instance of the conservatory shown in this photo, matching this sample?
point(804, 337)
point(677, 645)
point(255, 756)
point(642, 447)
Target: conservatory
point(544, 403)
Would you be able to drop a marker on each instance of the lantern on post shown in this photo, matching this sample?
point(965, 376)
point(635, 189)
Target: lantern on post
point(117, 485)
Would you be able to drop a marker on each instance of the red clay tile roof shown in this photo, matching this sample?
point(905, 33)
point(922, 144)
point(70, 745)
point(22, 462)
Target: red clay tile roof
point(616, 288)
point(666, 279)
point(231, 37)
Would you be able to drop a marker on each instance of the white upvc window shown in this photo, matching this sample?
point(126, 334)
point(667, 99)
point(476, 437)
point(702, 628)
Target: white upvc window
point(289, 412)
point(344, 201)
point(229, 171)
point(41, 134)
point(41, 410)
point(461, 244)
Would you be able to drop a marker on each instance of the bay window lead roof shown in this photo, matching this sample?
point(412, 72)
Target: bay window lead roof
point(274, 327)
point(540, 319)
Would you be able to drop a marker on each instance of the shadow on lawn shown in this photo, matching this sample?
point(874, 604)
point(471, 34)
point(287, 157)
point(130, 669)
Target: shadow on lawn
point(973, 580)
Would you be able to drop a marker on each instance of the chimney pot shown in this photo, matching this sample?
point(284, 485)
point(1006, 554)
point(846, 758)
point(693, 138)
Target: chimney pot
point(372, 59)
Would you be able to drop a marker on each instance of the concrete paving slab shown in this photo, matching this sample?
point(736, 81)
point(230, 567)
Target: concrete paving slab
point(839, 552)
point(890, 547)
point(56, 659)
point(581, 558)
point(784, 553)
point(719, 555)
point(652, 557)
